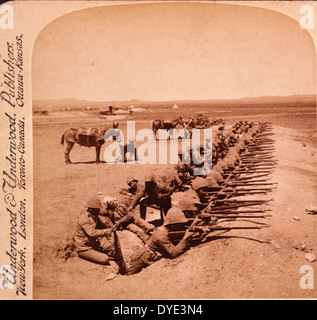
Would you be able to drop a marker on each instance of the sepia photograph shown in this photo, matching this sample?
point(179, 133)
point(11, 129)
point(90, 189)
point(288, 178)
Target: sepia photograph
point(172, 152)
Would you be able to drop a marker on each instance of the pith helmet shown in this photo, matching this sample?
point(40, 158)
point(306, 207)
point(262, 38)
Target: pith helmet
point(199, 183)
point(188, 204)
point(212, 182)
point(130, 179)
point(175, 215)
point(216, 175)
point(217, 168)
point(233, 153)
point(230, 162)
point(94, 203)
point(222, 164)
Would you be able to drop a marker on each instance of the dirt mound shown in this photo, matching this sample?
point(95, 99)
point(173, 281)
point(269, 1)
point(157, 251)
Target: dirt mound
point(61, 250)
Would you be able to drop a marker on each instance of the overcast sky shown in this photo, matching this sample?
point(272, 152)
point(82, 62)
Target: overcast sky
point(172, 51)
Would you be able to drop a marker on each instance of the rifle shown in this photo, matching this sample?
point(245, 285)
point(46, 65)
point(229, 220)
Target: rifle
point(118, 256)
point(236, 188)
point(252, 171)
point(242, 201)
point(251, 183)
point(243, 188)
point(208, 216)
point(234, 216)
point(174, 235)
point(258, 158)
point(261, 143)
point(243, 165)
point(260, 148)
point(237, 194)
point(245, 193)
point(262, 138)
point(233, 206)
point(256, 165)
point(257, 152)
point(252, 177)
point(233, 192)
point(229, 212)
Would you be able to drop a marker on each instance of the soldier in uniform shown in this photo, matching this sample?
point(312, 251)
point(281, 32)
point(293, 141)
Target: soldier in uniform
point(198, 190)
point(160, 245)
point(191, 122)
point(216, 175)
point(233, 152)
point(183, 174)
point(230, 162)
point(132, 189)
point(119, 214)
point(150, 193)
point(233, 138)
point(92, 243)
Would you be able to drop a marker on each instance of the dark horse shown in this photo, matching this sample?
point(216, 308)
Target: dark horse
point(167, 125)
point(88, 138)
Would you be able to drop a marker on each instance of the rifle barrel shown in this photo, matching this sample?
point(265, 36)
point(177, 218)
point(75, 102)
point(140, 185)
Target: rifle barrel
point(252, 177)
point(224, 216)
point(252, 171)
point(228, 212)
point(233, 206)
point(244, 201)
point(174, 235)
point(251, 183)
point(254, 189)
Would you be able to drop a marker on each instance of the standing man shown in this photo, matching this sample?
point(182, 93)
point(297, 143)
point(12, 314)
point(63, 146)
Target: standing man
point(150, 193)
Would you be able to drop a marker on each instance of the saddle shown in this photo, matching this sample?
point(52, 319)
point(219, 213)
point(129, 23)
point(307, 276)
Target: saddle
point(87, 137)
point(167, 124)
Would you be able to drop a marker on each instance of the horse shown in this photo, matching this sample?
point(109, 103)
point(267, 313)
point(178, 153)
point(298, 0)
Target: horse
point(167, 125)
point(94, 138)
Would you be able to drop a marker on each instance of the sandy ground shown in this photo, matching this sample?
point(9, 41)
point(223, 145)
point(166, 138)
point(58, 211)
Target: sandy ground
point(250, 264)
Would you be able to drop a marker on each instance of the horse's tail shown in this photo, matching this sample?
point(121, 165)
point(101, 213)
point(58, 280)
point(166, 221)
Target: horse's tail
point(62, 140)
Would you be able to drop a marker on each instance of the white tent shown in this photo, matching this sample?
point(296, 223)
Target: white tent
point(175, 106)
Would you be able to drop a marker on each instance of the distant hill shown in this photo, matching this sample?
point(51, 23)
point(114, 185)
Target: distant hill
point(279, 99)
point(269, 100)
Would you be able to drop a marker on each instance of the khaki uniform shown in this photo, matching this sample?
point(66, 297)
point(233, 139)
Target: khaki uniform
point(130, 222)
point(156, 196)
point(158, 246)
point(93, 244)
